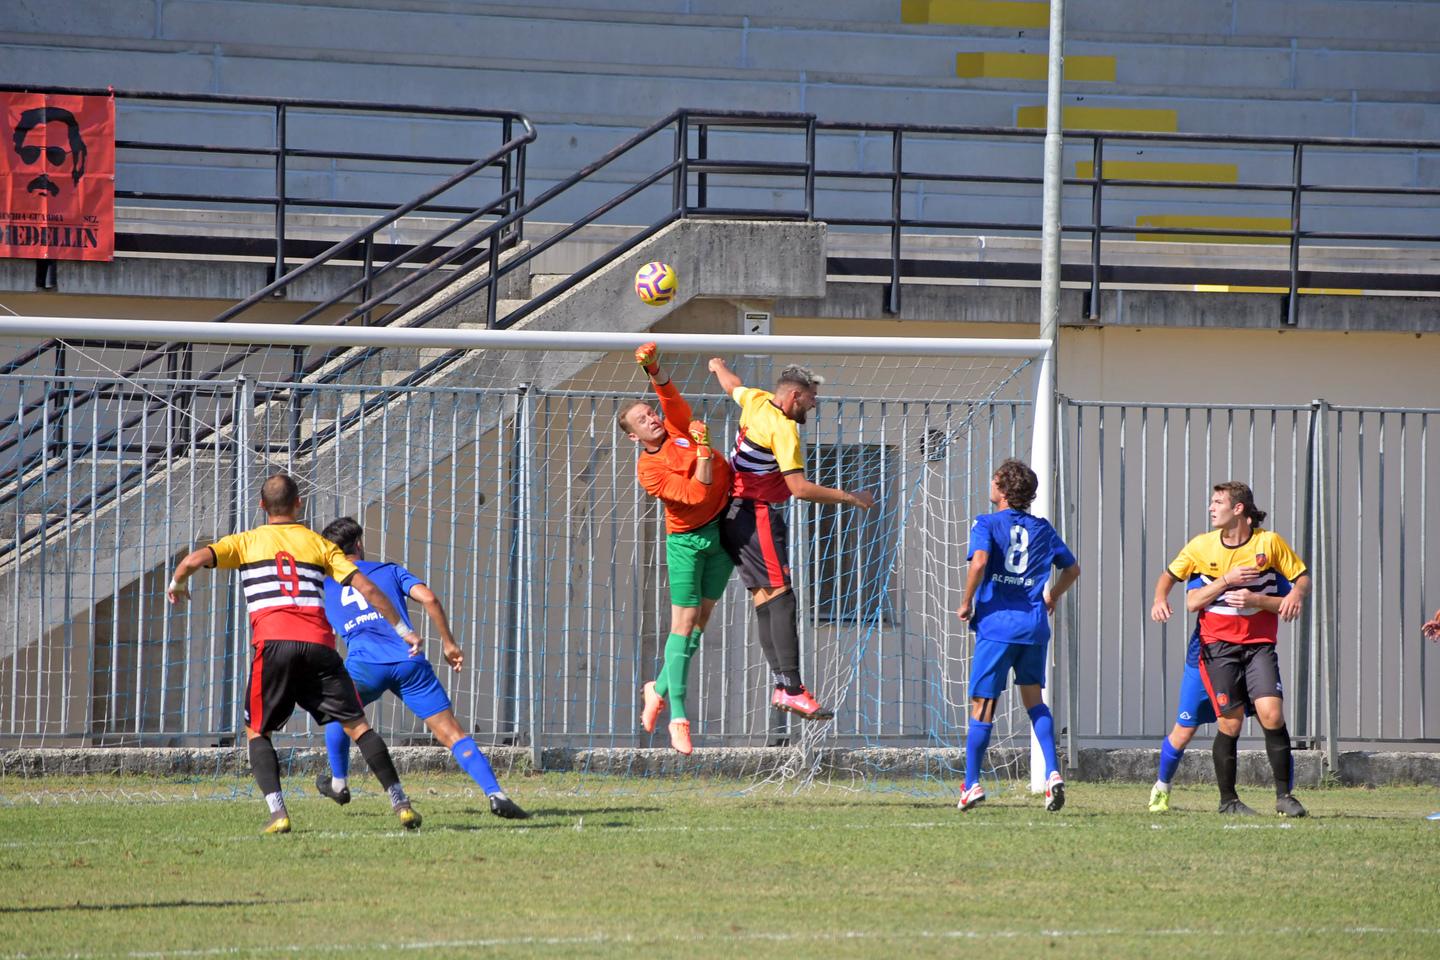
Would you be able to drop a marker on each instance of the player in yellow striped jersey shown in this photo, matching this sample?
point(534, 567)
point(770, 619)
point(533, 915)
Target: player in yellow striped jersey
point(283, 565)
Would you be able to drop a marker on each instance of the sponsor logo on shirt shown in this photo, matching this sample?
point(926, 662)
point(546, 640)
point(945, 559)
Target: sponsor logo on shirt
point(681, 442)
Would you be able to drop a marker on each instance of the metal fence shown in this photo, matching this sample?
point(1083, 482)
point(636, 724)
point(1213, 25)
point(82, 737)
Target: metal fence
point(522, 511)
point(1355, 492)
point(520, 507)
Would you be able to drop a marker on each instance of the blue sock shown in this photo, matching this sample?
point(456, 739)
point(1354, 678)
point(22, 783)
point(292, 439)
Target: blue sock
point(473, 762)
point(1170, 757)
point(1044, 726)
point(977, 741)
point(337, 744)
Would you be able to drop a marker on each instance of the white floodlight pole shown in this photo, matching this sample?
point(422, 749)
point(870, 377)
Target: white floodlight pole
point(1042, 454)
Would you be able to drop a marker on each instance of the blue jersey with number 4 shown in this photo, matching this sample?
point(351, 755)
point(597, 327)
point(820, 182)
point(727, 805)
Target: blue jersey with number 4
point(1021, 548)
point(368, 637)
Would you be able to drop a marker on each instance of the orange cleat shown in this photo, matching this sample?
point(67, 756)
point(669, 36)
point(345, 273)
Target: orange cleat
point(654, 703)
point(801, 704)
point(680, 737)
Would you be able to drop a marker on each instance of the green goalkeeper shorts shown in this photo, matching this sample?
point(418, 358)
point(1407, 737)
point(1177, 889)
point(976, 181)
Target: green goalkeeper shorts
point(699, 565)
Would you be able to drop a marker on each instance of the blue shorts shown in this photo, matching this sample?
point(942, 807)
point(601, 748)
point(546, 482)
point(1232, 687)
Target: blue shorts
point(990, 670)
point(413, 681)
point(1195, 707)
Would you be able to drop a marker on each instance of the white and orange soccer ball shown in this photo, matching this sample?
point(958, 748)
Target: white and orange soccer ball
point(656, 283)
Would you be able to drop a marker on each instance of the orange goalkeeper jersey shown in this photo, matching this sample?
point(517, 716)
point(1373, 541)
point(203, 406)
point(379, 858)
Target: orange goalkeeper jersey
point(669, 473)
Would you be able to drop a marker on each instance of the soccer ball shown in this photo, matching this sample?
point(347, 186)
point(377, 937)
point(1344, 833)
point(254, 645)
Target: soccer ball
point(655, 283)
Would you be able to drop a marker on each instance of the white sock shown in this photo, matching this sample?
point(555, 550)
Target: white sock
point(275, 801)
point(339, 783)
point(1164, 787)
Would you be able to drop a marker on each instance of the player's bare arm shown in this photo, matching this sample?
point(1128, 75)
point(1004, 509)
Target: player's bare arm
point(1294, 601)
point(194, 560)
point(972, 583)
point(1160, 608)
point(1431, 629)
point(804, 489)
point(424, 596)
point(1200, 598)
point(1063, 582)
point(376, 598)
point(729, 382)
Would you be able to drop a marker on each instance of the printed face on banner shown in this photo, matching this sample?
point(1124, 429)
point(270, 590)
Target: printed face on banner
point(57, 177)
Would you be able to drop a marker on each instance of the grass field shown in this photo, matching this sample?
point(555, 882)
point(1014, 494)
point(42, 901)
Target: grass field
point(620, 868)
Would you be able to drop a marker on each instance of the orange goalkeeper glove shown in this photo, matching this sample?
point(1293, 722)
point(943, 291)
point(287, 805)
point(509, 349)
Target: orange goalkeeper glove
point(700, 433)
point(648, 356)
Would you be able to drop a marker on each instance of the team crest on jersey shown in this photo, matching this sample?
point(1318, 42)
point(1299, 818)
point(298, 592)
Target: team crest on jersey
point(681, 442)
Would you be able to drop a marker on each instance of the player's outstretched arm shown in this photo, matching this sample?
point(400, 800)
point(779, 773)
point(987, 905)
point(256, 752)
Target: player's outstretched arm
point(194, 560)
point(1160, 609)
point(805, 490)
point(729, 382)
point(978, 559)
point(424, 596)
point(376, 598)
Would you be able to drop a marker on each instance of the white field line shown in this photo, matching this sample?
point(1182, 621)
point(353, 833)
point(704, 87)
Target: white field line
point(624, 939)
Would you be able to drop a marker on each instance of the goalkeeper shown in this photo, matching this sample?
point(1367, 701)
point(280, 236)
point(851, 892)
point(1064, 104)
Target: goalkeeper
point(678, 467)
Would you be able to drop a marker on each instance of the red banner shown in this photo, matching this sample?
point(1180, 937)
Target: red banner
point(57, 177)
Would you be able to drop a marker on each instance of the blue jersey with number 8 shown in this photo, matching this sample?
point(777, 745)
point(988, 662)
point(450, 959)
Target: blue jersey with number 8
point(1021, 548)
point(368, 637)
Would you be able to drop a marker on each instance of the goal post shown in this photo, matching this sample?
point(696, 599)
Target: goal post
point(490, 463)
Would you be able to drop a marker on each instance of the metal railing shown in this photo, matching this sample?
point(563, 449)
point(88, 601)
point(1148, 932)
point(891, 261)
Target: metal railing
point(1353, 489)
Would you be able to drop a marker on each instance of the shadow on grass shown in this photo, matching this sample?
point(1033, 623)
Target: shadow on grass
point(148, 905)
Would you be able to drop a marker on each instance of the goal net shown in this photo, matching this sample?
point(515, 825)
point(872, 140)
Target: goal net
point(490, 464)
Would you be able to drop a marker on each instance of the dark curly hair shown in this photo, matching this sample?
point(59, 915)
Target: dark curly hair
point(1242, 494)
point(1017, 483)
point(345, 533)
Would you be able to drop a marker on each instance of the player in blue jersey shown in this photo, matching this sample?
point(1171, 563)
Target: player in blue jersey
point(1193, 709)
point(1008, 604)
point(378, 663)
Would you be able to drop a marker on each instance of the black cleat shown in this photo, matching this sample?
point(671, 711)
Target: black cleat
point(1236, 808)
point(503, 806)
point(1288, 806)
point(322, 786)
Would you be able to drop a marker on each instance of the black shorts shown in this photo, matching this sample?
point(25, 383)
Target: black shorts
point(1238, 674)
point(289, 672)
point(754, 534)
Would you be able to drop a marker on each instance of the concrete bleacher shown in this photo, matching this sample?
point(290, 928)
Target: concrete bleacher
point(590, 71)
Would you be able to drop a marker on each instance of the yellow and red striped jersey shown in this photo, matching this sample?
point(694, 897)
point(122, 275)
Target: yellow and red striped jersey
point(283, 567)
point(766, 449)
point(1207, 558)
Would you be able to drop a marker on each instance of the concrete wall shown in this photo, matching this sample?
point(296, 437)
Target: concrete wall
point(592, 72)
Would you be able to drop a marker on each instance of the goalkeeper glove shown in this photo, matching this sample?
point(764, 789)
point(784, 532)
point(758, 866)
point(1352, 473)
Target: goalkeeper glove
point(648, 356)
point(700, 433)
